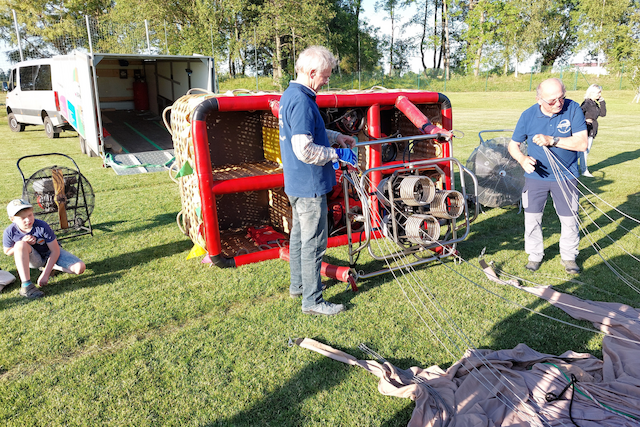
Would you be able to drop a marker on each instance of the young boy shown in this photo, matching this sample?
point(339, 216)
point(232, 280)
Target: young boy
point(34, 245)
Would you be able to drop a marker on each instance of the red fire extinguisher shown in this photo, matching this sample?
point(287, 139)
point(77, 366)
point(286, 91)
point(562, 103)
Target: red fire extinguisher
point(140, 95)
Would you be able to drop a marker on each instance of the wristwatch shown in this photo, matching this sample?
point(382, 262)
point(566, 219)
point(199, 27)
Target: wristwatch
point(555, 141)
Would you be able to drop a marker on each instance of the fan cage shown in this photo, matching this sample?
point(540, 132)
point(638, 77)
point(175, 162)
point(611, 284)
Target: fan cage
point(500, 177)
point(39, 191)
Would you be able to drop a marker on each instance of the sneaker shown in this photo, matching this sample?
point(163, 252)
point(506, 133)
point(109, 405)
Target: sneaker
point(587, 174)
point(570, 266)
point(533, 265)
point(31, 291)
point(324, 308)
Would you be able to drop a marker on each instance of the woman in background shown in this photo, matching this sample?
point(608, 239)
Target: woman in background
point(593, 106)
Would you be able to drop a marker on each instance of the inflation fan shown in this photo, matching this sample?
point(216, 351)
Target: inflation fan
point(61, 196)
point(500, 177)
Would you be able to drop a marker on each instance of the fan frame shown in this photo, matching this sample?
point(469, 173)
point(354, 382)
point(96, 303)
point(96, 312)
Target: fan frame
point(82, 187)
point(518, 201)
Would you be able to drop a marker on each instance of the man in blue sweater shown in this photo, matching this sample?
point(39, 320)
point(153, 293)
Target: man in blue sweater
point(556, 131)
point(307, 158)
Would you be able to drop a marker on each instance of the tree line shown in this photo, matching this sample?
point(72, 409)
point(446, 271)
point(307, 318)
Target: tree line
point(461, 36)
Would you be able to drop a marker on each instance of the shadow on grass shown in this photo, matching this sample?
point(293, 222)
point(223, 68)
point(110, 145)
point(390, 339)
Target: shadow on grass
point(132, 259)
point(157, 221)
point(103, 272)
point(285, 405)
point(597, 283)
point(615, 160)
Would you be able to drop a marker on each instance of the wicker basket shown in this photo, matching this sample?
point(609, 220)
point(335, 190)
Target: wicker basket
point(242, 144)
point(183, 151)
point(280, 214)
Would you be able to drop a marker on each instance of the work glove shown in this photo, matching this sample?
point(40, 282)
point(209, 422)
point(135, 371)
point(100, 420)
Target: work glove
point(347, 156)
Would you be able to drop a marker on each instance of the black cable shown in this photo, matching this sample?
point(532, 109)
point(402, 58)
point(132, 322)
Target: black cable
point(355, 261)
point(551, 397)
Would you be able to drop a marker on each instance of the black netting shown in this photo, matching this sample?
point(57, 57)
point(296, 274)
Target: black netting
point(500, 177)
point(78, 200)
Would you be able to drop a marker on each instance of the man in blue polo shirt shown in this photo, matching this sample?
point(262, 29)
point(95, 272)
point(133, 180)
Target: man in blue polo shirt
point(556, 130)
point(307, 158)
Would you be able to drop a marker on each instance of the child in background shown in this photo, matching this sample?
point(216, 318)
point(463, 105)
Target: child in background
point(34, 245)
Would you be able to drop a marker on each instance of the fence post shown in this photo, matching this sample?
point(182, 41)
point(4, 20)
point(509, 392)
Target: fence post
point(531, 80)
point(575, 84)
point(486, 82)
point(621, 73)
point(15, 23)
point(86, 19)
point(146, 29)
point(166, 43)
point(255, 48)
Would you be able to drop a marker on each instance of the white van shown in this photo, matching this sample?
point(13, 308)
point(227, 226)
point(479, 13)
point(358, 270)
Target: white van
point(31, 99)
point(116, 98)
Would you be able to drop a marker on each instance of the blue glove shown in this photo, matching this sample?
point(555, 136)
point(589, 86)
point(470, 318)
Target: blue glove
point(347, 156)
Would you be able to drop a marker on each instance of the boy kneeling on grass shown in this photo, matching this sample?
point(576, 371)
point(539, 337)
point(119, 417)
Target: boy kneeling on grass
point(34, 245)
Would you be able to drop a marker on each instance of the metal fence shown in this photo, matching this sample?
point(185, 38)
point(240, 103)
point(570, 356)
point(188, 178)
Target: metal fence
point(89, 34)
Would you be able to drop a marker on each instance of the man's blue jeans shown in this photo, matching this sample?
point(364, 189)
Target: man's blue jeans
point(307, 245)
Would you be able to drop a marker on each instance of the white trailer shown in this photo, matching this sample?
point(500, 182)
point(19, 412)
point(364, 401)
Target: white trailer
point(97, 94)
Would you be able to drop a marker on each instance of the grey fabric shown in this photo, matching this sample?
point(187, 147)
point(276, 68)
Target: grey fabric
point(508, 387)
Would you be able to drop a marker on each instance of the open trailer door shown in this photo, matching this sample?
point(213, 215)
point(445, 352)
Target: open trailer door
point(73, 78)
point(133, 92)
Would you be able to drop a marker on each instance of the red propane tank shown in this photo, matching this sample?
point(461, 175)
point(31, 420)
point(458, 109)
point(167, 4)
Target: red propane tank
point(140, 95)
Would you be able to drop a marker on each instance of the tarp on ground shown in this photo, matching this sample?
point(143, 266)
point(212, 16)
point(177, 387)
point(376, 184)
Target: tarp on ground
point(509, 387)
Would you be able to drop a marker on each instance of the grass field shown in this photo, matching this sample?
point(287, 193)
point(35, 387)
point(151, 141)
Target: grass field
point(147, 338)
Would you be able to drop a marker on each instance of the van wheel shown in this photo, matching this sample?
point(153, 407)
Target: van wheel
point(49, 129)
point(13, 123)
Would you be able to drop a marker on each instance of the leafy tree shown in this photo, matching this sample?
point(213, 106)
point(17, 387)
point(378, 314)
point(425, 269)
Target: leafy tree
point(354, 42)
point(497, 27)
point(552, 27)
point(441, 23)
point(607, 26)
point(283, 25)
point(48, 27)
point(391, 7)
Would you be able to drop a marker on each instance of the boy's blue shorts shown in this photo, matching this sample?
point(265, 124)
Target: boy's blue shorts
point(65, 260)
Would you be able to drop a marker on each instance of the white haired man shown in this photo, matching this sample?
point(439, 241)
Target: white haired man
point(307, 158)
point(559, 125)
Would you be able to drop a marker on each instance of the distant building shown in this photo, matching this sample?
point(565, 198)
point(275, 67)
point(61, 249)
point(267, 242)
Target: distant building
point(591, 67)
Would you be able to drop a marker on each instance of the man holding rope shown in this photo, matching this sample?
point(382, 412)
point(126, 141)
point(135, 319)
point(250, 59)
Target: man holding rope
point(556, 131)
point(307, 159)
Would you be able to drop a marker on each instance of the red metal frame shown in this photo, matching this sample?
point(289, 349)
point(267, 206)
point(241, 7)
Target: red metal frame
point(209, 187)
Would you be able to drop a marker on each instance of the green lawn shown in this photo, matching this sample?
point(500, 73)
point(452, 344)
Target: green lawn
point(147, 338)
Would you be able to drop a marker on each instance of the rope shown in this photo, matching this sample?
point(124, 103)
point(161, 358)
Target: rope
point(415, 286)
point(555, 165)
point(550, 397)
